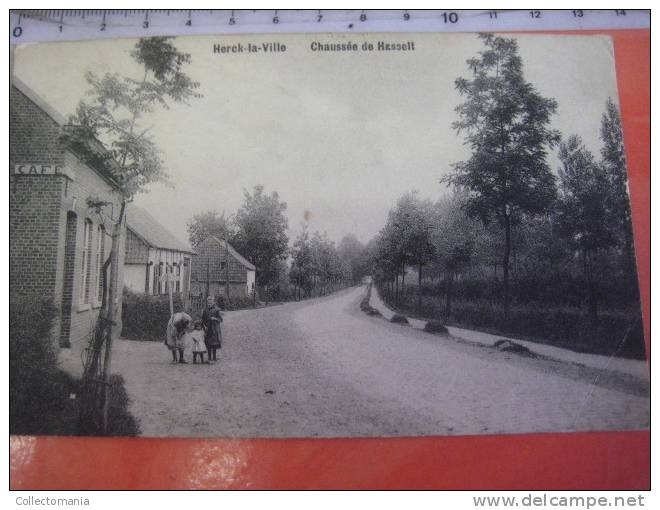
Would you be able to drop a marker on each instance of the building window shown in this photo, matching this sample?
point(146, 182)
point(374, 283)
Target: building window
point(84, 266)
point(185, 285)
point(100, 259)
point(146, 278)
point(154, 280)
point(177, 272)
point(158, 287)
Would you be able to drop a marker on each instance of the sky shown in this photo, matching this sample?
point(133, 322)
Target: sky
point(340, 136)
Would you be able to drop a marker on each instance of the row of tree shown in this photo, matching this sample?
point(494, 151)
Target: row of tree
point(313, 265)
point(318, 266)
point(507, 202)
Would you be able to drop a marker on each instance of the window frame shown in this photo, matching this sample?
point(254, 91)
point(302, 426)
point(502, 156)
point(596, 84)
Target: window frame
point(100, 260)
point(161, 265)
point(85, 266)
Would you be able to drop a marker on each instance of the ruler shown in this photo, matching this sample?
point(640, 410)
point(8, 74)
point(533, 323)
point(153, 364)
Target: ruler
point(66, 25)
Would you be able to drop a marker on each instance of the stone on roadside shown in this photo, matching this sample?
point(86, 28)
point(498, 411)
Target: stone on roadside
point(434, 326)
point(399, 319)
point(509, 346)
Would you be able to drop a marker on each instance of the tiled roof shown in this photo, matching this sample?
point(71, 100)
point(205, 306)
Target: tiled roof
point(145, 226)
point(240, 258)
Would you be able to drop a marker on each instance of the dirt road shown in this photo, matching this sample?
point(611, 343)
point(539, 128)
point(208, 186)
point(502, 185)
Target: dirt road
point(322, 368)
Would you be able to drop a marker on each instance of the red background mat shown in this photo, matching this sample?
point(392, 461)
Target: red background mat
point(595, 460)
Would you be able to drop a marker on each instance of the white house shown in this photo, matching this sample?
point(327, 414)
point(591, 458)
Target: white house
point(151, 250)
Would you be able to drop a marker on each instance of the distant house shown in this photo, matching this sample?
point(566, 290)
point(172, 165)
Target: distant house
point(151, 251)
point(217, 264)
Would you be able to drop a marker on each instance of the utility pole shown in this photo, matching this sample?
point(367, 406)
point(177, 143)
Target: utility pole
point(184, 285)
point(254, 290)
point(168, 282)
point(208, 274)
point(226, 271)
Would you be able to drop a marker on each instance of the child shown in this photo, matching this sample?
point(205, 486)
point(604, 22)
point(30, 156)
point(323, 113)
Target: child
point(198, 347)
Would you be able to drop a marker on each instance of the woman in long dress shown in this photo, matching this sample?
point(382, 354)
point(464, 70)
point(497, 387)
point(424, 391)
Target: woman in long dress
point(212, 318)
point(175, 338)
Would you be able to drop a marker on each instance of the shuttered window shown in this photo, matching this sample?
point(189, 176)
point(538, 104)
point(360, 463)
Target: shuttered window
point(100, 259)
point(84, 265)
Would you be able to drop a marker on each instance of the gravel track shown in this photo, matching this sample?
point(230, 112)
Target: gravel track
point(322, 368)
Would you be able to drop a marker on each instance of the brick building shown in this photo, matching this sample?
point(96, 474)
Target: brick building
point(57, 243)
point(218, 262)
point(151, 250)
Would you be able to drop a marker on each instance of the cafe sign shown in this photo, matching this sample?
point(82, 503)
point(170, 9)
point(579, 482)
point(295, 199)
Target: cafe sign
point(42, 169)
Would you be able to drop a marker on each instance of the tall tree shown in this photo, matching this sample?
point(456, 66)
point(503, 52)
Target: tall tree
point(506, 125)
point(393, 256)
point(300, 272)
point(582, 209)
point(113, 114)
point(416, 225)
point(209, 223)
point(261, 232)
point(384, 260)
point(351, 250)
point(320, 260)
point(454, 239)
point(613, 159)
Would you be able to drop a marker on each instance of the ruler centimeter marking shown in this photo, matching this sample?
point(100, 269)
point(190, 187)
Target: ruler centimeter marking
point(66, 25)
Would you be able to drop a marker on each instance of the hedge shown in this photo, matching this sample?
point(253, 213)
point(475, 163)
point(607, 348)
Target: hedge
point(40, 393)
point(543, 289)
point(36, 386)
point(145, 317)
point(618, 333)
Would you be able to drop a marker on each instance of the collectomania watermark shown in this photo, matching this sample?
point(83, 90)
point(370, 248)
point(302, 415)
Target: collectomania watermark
point(48, 501)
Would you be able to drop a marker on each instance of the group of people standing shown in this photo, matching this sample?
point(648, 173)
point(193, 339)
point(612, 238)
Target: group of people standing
point(205, 337)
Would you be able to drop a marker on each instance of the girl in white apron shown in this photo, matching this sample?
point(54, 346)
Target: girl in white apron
point(198, 345)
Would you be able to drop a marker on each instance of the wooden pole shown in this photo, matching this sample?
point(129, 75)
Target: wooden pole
point(208, 275)
point(226, 271)
point(169, 287)
point(254, 290)
point(184, 285)
point(111, 313)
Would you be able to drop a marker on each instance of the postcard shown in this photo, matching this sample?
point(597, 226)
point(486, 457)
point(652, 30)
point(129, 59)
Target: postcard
point(322, 235)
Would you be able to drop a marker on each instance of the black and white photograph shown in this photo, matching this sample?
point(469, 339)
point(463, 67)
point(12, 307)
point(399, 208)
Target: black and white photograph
point(321, 235)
